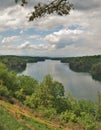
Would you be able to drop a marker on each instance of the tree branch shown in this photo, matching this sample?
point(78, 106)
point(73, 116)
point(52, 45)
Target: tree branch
point(60, 7)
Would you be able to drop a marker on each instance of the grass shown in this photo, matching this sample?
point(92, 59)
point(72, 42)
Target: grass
point(37, 125)
point(9, 122)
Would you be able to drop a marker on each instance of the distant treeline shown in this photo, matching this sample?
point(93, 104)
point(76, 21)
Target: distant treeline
point(91, 64)
point(18, 63)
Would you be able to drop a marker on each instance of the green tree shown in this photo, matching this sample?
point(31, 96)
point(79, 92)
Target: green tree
point(20, 95)
point(27, 87)
point(8, 78)
point(27, 83)
point(96, 71)
point(4, 91)
point(48, 94)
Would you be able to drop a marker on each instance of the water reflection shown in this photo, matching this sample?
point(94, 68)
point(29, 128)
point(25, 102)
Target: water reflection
point(80, 85)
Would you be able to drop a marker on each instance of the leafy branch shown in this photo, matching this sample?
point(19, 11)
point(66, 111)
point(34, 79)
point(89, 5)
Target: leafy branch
point(60, 7)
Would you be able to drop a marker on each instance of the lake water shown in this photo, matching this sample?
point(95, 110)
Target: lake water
point(80, 85)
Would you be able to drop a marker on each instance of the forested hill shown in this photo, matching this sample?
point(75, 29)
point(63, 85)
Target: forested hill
point(18, 63)
point(91, 64)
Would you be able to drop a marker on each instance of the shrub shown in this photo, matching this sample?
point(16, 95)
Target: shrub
point(87, 121)
point(47, 112)
point(4, 91)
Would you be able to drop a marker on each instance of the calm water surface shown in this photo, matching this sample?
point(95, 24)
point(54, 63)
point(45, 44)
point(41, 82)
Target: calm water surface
point(80, 85)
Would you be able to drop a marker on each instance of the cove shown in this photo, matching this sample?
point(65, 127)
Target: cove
point(80, 85)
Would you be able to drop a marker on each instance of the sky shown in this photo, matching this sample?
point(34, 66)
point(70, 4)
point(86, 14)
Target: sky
point(77, 34)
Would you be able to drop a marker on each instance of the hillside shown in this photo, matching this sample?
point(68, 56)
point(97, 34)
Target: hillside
point(16, 117)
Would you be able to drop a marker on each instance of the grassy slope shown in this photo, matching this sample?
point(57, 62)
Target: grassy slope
point(9, 122)
point(13, 117)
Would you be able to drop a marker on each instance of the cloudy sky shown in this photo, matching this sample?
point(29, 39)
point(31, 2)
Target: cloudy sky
point(74, 35)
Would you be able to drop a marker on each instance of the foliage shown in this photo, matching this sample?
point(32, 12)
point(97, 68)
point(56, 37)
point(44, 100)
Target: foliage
point(48, 113)
point(8, 79)
point(96, 71)
point(4, 91)
point(48, 94)
point(84, 118)
point(60, 7)
point(20, 128)
point(87, 121)
point(68, 116)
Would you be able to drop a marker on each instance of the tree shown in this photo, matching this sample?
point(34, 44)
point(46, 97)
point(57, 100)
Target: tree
point(4, 91)
point(28, 84)
point(48, 94)
point(60, 7)
point(96, 71)
point(8, 78)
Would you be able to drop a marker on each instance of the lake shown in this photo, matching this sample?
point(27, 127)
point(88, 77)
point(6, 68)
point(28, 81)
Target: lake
point(80, 85)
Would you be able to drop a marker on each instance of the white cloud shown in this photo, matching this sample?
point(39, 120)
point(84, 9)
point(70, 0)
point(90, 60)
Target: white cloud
point(52, 38)
point(29, 46)
point(10, 39)
point(14, 18)
point(24, 45)
point(78, 33)
point(34, 37)
point(63, 37)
